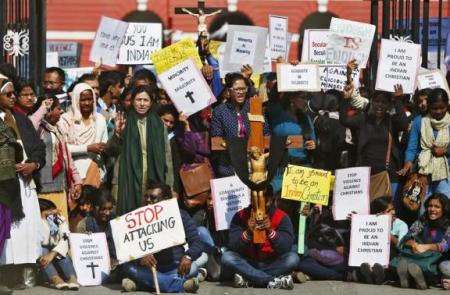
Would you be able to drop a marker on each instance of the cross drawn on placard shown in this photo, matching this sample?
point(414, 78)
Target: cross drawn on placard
point(92, 266)
point(189, 95)
point(201, 13)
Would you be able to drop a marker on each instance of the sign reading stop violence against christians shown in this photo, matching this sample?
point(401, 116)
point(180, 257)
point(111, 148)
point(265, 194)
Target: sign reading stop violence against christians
point(148, 230)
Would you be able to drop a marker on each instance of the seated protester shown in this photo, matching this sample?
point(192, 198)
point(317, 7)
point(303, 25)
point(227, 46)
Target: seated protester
point(383, 205)
point(423, 246)
point(85, 206)
point(267, 265)
point(97, 220)
point(55, 246)
point(177, 271)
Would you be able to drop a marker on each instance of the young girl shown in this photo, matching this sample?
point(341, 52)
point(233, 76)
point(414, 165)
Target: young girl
point(55, 246)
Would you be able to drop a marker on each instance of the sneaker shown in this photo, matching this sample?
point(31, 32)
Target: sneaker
point(366, 273)
point(300, 277)
point(202, 274)
point(284, 282)
point(239, 281)
point(74, 286)
point(378, 272)
point(191, 285)
point(128, 285)
point(402, 272)
point(416, 272)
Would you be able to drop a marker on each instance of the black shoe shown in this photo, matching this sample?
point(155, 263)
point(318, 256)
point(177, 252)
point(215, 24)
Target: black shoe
point(416, 272)
point(366, 273)
point(378, 272)
point(5, 290)
point(402, 272)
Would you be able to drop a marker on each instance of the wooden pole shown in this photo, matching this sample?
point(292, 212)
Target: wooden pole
point(155, 280)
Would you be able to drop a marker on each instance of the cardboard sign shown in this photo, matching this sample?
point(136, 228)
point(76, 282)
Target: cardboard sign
point(432, 79)
point(229, 195)
point(108, 38)
point(302, 77)
point(90, 258)
point(335, 77)
point(351, 192)
point(349, 40)
point(306, 185)
point(170, 56)
point(278, 36)
point(398, 63)
point(148, 230)
point(187, 88)
point(245, 45)
point(370, 240)
point(314, 46)
point(73, 74)
point(140, 41)
point(68, 53)
point(52, 59)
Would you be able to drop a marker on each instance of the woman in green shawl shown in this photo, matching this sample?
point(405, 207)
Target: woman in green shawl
point(141, 140)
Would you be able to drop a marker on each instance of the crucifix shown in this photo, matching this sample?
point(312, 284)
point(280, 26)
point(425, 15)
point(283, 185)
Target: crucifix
point(201, 13)
point(189, 95)
point(257, 146)
point(92, 266)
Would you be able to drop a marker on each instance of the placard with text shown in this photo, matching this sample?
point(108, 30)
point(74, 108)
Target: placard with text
point(301, 77)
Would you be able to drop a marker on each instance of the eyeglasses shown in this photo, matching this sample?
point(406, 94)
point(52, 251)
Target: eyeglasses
point(239, 90)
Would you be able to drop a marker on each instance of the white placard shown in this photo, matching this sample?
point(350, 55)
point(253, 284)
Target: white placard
point(335, 77)
point(52, 59)
point(278, 36)
point(398, 63)
point(148, 230)
point(244, 46)
point(351, 192)
point(349, 40)
point(229, 195)
point(68, 53)
point(140, 41)
point(108, 38)
point(90, 258)
point(432, 79)
point(314, 48)
point(302, 77)
point(267, 58)
point(370, 240)
point(187, 88)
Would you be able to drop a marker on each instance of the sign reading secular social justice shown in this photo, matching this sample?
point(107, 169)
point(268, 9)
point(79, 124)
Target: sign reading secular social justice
point(278, 35)
point(398, 63)
point(314, 46)
point(351, 192)
point(432, 79)
point(349, 40)
point(229, 195)
point(174, 54)
point(335, 77)
point(148, 230)
point(109, 37)
point(140, 41)
point(90, 258)
point(245, 45)
point(187, 87)
point(306, 185)
point(302, 77)
point(370, 240)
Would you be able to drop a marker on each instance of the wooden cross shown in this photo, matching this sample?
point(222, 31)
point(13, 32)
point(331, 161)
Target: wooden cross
point(260, 142)
point(201, 13)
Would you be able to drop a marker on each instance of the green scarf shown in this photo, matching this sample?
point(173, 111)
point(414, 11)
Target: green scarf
point(130, 165)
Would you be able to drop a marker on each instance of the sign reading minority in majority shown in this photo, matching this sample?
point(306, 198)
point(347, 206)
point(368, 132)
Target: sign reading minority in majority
point(351, 192)
point(229, 195)
point(370, 240)
point(301, 77)
point(140, 41)
point(90, 258)
point(187, 88)
point(148, 230)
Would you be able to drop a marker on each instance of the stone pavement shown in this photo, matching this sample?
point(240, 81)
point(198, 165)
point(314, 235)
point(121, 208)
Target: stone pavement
point(309, 288)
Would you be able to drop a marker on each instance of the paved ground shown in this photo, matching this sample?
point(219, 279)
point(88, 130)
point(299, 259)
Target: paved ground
point(309, 288)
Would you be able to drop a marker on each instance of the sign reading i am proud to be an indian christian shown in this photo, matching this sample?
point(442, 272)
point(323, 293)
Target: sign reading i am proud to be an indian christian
point(370, 240)
point(140, 41)
point(90, 258)
point(109, 37)
point(349, 40)
point(229, 195)
point(278, 36)
point(301, 77)
point(398, 63)
point(148, 230)
point(187, 88)
point(351, 192)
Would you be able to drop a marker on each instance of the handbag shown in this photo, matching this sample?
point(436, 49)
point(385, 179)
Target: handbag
point(414, 191)
point(380, 183)
point(196, 183)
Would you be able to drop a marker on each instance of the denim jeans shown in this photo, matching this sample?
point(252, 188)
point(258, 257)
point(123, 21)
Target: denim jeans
point(206, 237)
point(169, 281)
point(259, 273)
point(318, 271)
point(59, 267)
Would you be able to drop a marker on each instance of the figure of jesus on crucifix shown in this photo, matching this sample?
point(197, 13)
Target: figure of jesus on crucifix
point(201, 18)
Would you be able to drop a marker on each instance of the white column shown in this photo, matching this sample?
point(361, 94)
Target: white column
point(322, 5)
point(232, 5)
point(141, 5)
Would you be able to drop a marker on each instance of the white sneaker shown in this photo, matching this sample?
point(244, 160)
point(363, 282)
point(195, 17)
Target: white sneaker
point(239, 281)
point(128, 285)
point(284, 282)
point(202, 274)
